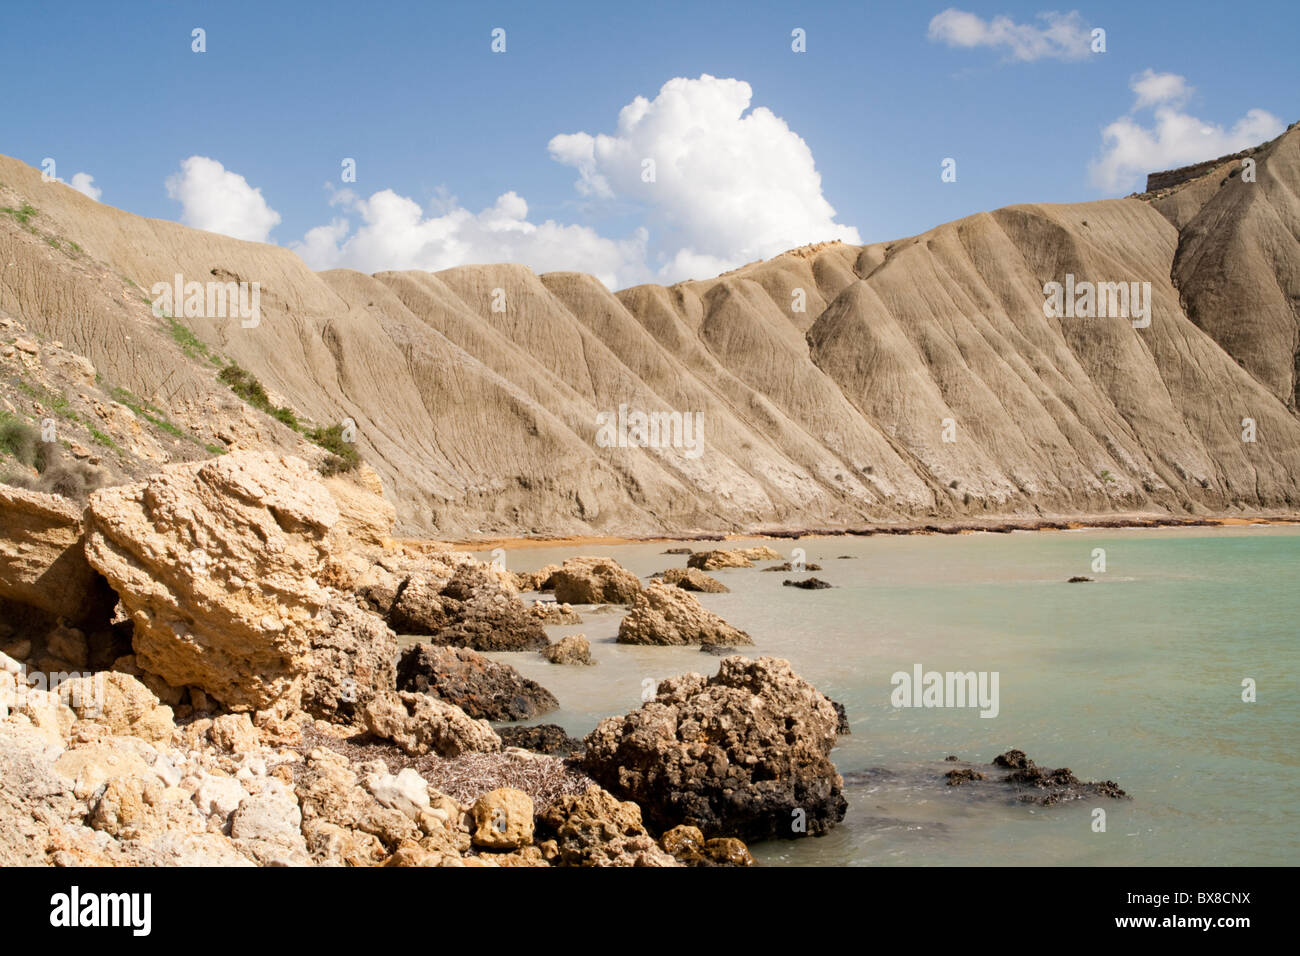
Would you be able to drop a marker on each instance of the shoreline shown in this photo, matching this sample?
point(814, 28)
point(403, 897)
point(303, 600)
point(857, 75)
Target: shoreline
point(967, 526)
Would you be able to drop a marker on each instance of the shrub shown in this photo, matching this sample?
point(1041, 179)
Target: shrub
point(343, 454)
point(20, 440)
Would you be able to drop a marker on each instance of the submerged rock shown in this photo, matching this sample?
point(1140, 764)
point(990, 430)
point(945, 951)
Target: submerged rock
point(808, 584)
point(744, 753)
point(693, 579)
point(690, 848)
point(663, 614)
point(787, 566)
point(550, 613)
point(572, 649)
point(479, 686)
point(1078, 579)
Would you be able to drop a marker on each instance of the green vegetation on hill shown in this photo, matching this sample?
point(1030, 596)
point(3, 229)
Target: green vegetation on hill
point(343, 454)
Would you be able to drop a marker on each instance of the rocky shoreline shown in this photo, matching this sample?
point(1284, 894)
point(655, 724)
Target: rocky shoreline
point(202, 668)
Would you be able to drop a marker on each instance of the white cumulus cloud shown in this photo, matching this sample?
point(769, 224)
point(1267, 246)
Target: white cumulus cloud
point(84, 183)
point(394, 232)
point(218, 200)
point(1060, 36)
point(731, 184)
point(1175, 138)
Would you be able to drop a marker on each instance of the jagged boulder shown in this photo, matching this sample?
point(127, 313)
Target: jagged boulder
point(42, 561)
point(744, 754)
point(587, 580)
point(664, 614)
point(479, 686)
point(216, 563)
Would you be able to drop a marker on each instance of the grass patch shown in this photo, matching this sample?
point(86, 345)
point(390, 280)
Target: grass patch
point(150, 413)
point(190, 343)
point(101, 438)
point(23, 214)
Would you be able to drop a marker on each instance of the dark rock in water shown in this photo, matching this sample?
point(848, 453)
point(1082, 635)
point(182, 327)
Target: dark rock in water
point(542, 738)
point(842, 727)
point(787, 566)
point(718, 650)
point(482, 688)
point(808, 584)
point(1051, 786)
point(957, 777)
point(473, 609)
point(679, 551)
point(1078, 579)
point(745, 753)
point(950, 757)
point(847, 557)
point(1012, 759)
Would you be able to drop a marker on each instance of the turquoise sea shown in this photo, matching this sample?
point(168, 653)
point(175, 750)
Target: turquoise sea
point(1135, 677)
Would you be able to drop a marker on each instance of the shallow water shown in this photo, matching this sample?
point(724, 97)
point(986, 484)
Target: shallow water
point(1136, 678)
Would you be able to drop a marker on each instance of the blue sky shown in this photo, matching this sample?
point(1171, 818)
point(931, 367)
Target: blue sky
point(441, 127)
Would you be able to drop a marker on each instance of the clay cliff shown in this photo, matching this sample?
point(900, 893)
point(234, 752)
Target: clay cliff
point(835, 385)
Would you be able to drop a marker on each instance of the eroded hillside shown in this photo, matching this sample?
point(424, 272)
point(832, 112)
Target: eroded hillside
point(835, 386)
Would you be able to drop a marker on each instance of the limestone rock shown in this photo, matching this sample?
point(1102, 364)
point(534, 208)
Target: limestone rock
point(122, 704)
point(406, 791)
point(215, 563)
point(365, 515)
point(479, 686)
point(713, 560)
point(693, 579)
point(474, 609)
point(663, 614)
point(549, 613)
point(42, 560)
point(587, 580)
point(420, 724)
point(503, 819)
point(744, 753)
point(597, 829)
